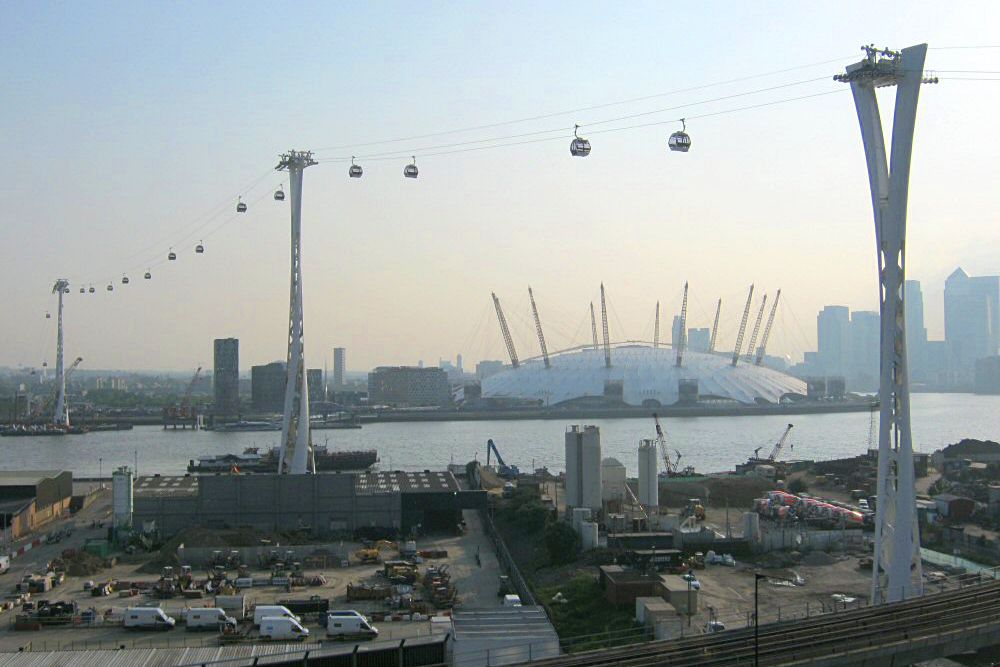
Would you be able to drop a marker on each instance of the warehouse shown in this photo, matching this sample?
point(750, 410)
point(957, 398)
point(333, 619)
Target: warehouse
point(325, 505)
point(31, 498)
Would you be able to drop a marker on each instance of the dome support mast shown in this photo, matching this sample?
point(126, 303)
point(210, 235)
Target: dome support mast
point(681, 341)
point(767, 330)
point(715, 327)
point(593, 326)
point(604, 325)
point(505, 331)
point(538, 329)
point(743, 328)
point(656, 328)
point(756, 329)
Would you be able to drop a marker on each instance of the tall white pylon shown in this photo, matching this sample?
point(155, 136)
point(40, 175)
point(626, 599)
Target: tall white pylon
point(61, 414)
point(896, 574)
point(296, 453)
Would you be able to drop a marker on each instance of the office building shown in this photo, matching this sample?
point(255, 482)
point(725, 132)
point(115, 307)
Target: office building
point(267, 387)
point(916, 331)
point(833, 337)
point(863, 372)
point(408, 386)
point(486, 368)
point(698, 339)
point(314, 380)
point(971, 322)
point(339, 367)
point(226, 378)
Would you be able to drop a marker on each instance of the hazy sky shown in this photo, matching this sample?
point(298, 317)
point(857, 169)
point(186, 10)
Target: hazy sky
point(127, 125)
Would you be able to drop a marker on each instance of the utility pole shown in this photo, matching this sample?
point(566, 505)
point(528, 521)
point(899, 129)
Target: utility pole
point(296, 456)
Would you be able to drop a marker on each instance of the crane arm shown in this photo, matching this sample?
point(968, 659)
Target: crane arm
point(491, 447)
point(661, 442)
point(186, 400)
point(781, 443)
point(43, 406)
point(635, 501)
point(767, 330)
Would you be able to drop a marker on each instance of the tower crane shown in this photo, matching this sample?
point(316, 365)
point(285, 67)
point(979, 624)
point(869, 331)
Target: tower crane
point(538, 329)
point(508, 341)
point(767, 330)
point(743, 326)
point(52, 396)
point(185, 404)
point(635, 501)
point(776, 450)
point(681, 341)
point(661, 442)
point(715, 327)
point(756, 329)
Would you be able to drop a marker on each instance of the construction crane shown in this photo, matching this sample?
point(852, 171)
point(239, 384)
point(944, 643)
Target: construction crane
point(635, 501)
point(184, 409)
point(661, 442)
point(681, 341)
point(756, 329)
point(715, 327)
point(593, 325)
point(776, 450)
point(538, 329)
point(508, 341)
point(604, 324)
point(43, 406)
point(504, 470)
point(656, 327)
point(743, 326)
point(767, 330)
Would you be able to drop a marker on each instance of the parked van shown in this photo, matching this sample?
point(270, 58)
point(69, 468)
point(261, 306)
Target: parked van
point(282, 627)
point(4, 564)
point(349, 624)
point(147, 618)
point(208, 618)
point(273, 611)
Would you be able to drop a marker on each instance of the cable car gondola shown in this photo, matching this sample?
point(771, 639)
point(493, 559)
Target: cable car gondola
point(111, 288)
point(579, 147)
point(199, 249)
point(124, 280)
point(240, 206)
point(410, 171)
point(83, 290)
point(148, 275)
point(172, 255)
point(680, 141)
point(279, 194)
point(91, 290)
point(48, 316)
point(355, 171)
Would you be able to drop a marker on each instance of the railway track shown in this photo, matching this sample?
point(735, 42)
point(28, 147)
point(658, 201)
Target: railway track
point(828, 637)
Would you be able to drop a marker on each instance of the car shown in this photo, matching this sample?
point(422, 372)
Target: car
point(692, 580)
point(715, 626)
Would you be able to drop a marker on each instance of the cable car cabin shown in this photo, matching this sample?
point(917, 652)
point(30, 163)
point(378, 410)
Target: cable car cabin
point(172, 256)
point(410, 171)
point(579, 147)
point(148, 275)
point(48, 316)
point(111, 288)
point(355, 171)
point(679, 141)
point(124, 280)
point(199, 249)
point(241, 207)
point(91, 290)
point(279, 195)
point(83, 290)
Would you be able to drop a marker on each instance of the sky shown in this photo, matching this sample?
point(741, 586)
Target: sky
point(130, 128)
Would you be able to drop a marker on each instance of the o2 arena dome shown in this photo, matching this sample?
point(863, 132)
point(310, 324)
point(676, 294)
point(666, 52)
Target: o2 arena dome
point(641, 375)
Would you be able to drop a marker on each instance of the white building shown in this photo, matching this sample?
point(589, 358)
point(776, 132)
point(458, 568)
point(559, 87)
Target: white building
point(583, 467)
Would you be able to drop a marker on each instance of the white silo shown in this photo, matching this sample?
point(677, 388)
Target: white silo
point(649, 491)
point(583, 467)
point(612, 479)
point(580, 514)
point(122, 497)
point(589, 535)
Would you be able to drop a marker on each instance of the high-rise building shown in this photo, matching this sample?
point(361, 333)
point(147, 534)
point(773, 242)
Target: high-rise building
point(267, 387)
point(408, 386)
point(486, 368)
point(314, 380)
point(863, 372)
point(698, 339)
point(833, 339)
point(339, 367)
point(226, 378)
point(458, 363)
point(916, 331)
point(971, 322)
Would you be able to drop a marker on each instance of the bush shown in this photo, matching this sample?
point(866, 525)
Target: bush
point(561, 542)
point(797, 486)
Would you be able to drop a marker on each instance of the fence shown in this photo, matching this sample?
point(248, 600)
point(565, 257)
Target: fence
point(507, 561)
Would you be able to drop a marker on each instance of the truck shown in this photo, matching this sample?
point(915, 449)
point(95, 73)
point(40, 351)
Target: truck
point(349, 624)
point(147, 618)
point(282, 628)
point(208, 618)
point(233, 605)
point(263, 611)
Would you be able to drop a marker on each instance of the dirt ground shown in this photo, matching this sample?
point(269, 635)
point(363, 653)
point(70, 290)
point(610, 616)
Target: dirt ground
point(476, 584)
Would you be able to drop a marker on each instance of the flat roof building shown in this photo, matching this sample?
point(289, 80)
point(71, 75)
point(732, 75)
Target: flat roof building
point(267, 387)
point(226, 376)
point(408, 386)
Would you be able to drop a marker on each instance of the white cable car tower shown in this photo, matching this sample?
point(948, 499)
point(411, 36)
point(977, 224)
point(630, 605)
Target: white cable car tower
point(296, 453)
point(896, 574)
point(60, 416)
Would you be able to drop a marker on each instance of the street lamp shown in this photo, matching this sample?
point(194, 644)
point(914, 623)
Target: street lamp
point(757, 576)
point(100, 471)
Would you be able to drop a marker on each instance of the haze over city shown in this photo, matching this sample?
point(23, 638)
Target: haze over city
point(130, 123)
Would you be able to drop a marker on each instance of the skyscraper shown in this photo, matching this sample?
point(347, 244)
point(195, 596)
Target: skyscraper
point(916, 331)
point(267, 387)
point(971, 321)
point(833, 339)
point(864, 351)
point(339, 366)
point(226, 381)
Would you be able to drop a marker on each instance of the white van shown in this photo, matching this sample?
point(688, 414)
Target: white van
point(273, 611)
point(4, 564)
point(147, 618)
point(282, 627)
point(208, 618)
point(349, 624)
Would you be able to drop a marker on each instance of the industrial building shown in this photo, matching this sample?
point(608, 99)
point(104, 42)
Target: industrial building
point(640, 375)
point(583, 467)
point(326, 505)
point(267, 387)
point(31, 498)
point(408, 386)
point(226, 376)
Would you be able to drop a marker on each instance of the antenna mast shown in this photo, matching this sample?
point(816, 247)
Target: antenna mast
point(743, 326)
point(538, 328)
point(508, 341)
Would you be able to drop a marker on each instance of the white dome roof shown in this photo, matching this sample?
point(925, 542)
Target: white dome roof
point(646, 374)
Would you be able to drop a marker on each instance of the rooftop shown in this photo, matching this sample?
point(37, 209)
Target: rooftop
point(26, 477)
point(166, 486)
point(397, 481)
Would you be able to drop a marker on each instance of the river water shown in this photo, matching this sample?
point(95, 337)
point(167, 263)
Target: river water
point(708, 443)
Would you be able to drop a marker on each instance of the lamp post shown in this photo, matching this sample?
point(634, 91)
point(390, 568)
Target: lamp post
point(100, 471)
point(756, 619)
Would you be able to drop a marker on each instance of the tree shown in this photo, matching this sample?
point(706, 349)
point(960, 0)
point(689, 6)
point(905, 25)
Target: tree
point(561, 542)
point(797, 486)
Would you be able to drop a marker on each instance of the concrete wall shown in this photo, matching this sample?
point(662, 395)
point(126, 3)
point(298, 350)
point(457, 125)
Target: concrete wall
point(201, 556)
point(775, 540)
